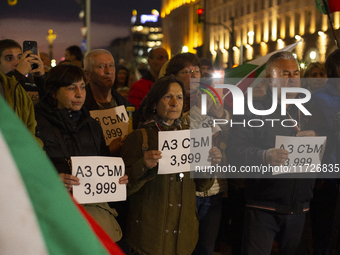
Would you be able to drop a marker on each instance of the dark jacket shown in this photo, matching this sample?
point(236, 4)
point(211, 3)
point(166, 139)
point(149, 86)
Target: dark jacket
point(83, 137)
point(328, 101)
point(246, 147)
point(162, 213)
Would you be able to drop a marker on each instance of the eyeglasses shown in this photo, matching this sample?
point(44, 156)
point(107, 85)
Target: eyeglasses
point(189, 72)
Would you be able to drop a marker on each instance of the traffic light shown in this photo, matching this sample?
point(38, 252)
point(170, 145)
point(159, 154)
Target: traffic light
point(200, 15)
point(12, 2)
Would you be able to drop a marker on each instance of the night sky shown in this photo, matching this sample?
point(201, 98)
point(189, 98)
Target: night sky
point(31, 20)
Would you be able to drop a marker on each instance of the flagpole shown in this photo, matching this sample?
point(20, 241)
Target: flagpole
point(330, 21)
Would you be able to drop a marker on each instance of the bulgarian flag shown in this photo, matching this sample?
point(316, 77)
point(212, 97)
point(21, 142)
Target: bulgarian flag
point(37, 214)
point(328, 6)
point(245, 75)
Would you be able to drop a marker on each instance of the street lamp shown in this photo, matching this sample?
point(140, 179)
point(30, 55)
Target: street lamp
point(50, 38)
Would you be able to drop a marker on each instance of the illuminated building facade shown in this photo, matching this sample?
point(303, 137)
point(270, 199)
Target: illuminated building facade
point(146, 33)
point(242, 30)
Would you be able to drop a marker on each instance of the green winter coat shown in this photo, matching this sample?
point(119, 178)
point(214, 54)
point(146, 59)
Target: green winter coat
point(23, 106)
point(162, 214)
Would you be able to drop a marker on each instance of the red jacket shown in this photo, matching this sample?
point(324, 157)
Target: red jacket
point(140, 89)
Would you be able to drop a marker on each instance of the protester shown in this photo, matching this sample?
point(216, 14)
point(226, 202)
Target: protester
point(275, 208)
point(122, 77)
point(156, 59)
point(185, 66)
point(206, 67)
point(18, 100)
point(162, 215)
point(327, 99)
point(315, 77)
point(67, 130)
point(13, 62)
point(75, 55)
point(100, 71)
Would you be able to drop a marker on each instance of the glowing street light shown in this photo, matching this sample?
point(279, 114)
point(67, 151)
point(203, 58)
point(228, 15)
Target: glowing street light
point(312, 55)
point(50, 38)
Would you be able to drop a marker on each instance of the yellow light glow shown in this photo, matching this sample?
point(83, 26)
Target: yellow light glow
point(155, 12)
point(280, 44)
point(251, 37)
point(250, 51)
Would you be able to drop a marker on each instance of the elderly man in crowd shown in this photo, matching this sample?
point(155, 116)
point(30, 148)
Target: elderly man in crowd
point(275, 208)
point(100, 71)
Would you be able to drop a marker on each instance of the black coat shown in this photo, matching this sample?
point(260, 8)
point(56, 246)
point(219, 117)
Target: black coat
point(83, 137)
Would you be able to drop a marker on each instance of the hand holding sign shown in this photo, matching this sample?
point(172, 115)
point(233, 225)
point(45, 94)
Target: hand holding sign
point(151, 158)
point(276, 157)
point(215, 155)
point(69, 180)
point(115, 145)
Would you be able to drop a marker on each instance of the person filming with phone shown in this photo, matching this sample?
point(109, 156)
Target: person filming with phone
point(14, 62)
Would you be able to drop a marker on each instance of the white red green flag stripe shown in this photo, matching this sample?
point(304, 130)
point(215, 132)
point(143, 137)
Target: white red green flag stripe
point(244, 75)
point(330, 7)
point(37, 215)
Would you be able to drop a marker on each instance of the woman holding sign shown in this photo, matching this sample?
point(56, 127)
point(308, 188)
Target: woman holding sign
point(162, 215)
point(67, 129)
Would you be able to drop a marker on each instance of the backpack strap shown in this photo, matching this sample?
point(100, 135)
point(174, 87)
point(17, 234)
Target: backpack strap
point(145, 145)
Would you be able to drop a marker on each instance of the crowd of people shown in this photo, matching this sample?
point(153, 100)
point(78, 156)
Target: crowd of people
point(177, 213)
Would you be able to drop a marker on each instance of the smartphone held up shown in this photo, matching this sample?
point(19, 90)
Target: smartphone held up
point(32, 46)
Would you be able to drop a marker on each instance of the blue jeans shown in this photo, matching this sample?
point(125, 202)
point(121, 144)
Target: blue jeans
point(209, 215)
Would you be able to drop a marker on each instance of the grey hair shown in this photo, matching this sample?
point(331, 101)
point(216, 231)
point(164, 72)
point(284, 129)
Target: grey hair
point(286, 55)
point(89, 58)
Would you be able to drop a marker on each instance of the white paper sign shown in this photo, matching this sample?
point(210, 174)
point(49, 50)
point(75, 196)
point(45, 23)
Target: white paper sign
point(305, 153)
point(98, 177)
point(114, 122)
point(183, 150)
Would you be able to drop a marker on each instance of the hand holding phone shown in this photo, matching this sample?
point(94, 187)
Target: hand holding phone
point(32, 46)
